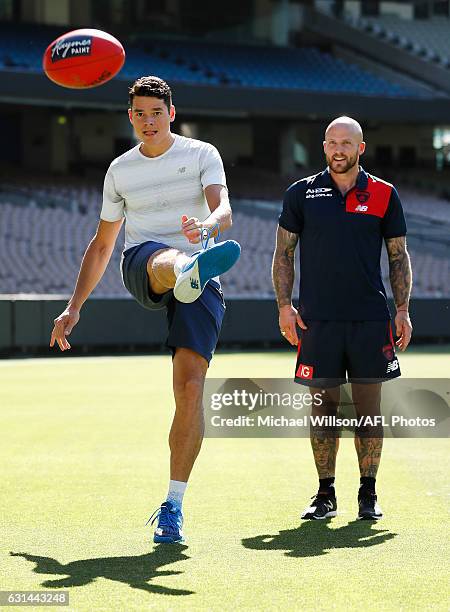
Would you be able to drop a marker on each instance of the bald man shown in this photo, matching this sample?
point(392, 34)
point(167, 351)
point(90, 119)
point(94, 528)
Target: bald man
point(340, 217)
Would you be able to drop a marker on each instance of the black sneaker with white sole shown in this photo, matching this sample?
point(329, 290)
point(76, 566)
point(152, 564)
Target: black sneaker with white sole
point(369, 508)
point(324, 505)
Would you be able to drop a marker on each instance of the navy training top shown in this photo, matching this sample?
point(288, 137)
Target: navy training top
point(340, 244)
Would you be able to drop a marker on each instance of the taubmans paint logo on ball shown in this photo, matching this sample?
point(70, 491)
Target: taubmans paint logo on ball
point(71, 47)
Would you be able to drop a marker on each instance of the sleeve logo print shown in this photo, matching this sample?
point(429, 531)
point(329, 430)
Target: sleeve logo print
point(319, 192)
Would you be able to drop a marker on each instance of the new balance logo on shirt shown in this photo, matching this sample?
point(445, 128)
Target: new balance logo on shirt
point(194, 283)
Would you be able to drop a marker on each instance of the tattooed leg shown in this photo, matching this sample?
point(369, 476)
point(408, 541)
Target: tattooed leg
point(325, 439)
point(368, 438)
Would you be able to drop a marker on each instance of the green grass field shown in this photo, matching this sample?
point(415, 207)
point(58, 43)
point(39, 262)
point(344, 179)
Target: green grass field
point(85, 461)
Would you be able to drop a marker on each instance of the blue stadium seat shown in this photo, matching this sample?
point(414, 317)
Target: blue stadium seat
point(307, 69)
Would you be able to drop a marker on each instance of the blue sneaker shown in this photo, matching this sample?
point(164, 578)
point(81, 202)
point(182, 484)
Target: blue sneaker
point(203, 266)
point(170, 522)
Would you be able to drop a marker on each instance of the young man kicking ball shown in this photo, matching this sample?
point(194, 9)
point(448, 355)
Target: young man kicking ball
point(172, 193)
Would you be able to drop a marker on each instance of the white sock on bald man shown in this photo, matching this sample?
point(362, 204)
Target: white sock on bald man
point(176, 492)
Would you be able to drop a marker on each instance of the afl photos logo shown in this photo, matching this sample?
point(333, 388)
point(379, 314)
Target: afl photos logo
point(305, 371)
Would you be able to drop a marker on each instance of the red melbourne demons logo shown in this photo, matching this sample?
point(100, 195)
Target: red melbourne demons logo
point(362, 196)
point(388, 352)
point(372, 201)
point(305, 371)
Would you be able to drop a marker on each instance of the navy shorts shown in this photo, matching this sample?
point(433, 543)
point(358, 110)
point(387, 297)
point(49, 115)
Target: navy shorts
point(330, 351)
point(195, 326)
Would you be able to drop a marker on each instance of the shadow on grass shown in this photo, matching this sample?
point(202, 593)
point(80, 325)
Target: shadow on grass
point(134, 571)
point(314, 538)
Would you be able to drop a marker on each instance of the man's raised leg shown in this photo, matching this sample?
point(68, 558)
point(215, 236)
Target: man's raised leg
point(188, 275)
point(161, 269)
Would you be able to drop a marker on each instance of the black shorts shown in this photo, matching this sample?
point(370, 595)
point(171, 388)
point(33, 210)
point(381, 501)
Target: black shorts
point(195, 326)
point(329, 352)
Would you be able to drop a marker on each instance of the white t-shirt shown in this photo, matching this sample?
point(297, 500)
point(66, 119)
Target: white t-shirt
point(153, 193)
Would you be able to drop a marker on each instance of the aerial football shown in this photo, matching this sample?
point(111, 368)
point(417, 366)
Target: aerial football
point(83, 58)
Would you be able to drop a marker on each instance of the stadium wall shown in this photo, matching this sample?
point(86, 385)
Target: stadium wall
point(121, 323)
point(228, 101)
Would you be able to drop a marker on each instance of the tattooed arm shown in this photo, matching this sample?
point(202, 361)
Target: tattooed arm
point(400, 276)
point(283, 272)
point(283, 268)
point(399, 271)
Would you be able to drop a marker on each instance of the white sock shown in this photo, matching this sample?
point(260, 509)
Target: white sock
point(176, 270)
point(180, 260)
point(176, 492)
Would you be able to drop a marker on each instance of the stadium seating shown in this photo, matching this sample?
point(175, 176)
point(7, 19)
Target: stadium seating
point(306, 69)
point(426, 38)
point(41, 246)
